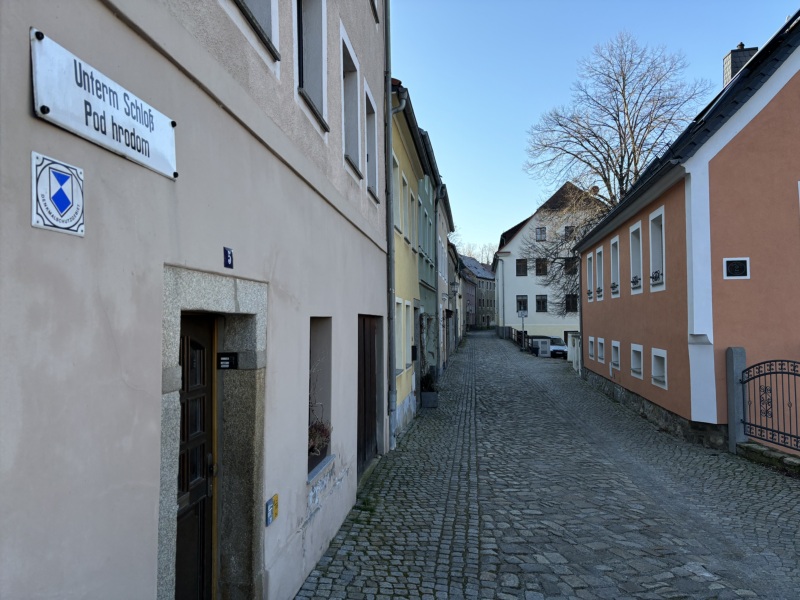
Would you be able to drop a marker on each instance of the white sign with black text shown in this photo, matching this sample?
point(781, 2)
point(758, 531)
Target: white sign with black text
point(73, 95)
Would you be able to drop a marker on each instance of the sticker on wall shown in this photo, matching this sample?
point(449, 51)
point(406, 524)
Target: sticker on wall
point(57, 202)
point(227, 257)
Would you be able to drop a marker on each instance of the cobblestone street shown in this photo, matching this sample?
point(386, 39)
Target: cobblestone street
point(526, 483)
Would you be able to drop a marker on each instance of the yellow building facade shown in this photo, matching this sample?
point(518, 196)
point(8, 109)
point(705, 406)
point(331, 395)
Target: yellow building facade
point(410, 173)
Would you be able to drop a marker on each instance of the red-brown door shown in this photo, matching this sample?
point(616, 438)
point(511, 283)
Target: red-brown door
point(194, 541)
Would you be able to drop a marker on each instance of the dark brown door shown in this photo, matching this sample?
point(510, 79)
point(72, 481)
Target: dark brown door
point(367, 390)
point(193, 558)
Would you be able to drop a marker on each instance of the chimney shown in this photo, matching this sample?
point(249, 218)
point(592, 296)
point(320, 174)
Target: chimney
point(734, 62)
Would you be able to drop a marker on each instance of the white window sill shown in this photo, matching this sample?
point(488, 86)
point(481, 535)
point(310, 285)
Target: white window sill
point(317, 471)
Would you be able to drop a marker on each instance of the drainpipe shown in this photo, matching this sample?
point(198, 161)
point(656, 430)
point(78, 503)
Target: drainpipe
point(439, 196)
point(580, 310)
point(390, 325)
point(503, 289)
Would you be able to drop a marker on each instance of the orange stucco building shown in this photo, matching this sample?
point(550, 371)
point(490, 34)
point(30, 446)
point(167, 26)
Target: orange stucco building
point(700, 254)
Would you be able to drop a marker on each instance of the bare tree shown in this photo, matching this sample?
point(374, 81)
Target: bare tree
point(483, 253)
point(454, 237)
point(629, 102)
point(468, 249)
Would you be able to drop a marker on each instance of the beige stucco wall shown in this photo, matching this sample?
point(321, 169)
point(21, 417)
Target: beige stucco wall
point(79, 440)
point(754, 214)
point(652, 319)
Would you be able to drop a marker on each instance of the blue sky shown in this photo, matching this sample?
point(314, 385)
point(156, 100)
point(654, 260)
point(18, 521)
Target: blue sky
point(481, 73)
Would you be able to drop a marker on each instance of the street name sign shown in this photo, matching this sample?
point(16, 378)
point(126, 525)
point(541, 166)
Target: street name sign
point(72, 94)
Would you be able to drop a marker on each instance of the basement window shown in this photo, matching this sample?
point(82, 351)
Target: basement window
point(636, 360)
point(659, 368)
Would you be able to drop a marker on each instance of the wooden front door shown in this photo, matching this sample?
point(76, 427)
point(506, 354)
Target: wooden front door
point(196, 460)
point(367, 391)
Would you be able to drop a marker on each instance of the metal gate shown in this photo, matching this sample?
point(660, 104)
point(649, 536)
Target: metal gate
point(771, 413)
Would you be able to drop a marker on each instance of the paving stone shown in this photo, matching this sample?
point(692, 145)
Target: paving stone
point(527, 483)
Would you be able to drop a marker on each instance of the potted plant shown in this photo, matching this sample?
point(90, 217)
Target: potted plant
point(319, 437)
point(319, 430)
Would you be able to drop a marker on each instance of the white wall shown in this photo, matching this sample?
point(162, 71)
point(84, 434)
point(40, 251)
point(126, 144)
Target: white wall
point(510, 286)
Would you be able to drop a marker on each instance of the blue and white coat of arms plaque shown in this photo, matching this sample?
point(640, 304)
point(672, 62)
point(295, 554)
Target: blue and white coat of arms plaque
point(57, 202)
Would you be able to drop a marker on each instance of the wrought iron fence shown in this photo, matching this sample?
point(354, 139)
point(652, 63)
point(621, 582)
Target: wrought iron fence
point(771, 413)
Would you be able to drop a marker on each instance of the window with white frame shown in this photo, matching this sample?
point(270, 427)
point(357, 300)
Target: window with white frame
point(615, 267)
point(441, 262)
point(636, 360)
point(373, 172)
point(541, 303)
point(636, 257)
point(411, 204)
point(418, 228)
point(311, 59)
point(541, 234)
point(590, 276)
point(736, 268)
point(601, 350)
point(657, 271)
point(658, 372)
point(263, 18)
point(615, 355)
point(398, 336)
point(425, 227)
point(404, 205)
point(351, 123)
point(409, 334)
point(396, 207)
point(591, 347)
point(598, 257)
point(522, 304)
